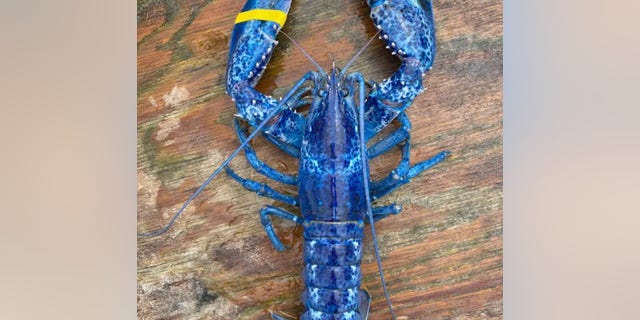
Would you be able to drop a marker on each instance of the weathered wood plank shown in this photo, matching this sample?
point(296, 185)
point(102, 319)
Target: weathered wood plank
point(442, 255)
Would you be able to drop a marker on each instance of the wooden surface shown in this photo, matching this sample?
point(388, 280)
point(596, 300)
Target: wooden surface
point(442, 255)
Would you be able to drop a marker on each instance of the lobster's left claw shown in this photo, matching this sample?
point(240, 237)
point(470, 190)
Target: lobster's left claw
point(408, 29)
point(253, 39)
point(252, 43)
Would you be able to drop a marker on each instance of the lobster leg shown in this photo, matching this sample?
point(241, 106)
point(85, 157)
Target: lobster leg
point(399, 135)
point(265, 218)
point(403, 174)
point(260, 166)
point(407, 27)
point(382, 212)
point(387, 143)
point(262, 189)
point(290, 149)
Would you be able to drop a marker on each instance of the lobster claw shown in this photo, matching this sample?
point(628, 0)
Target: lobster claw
point(408, 29)
point(252, 43)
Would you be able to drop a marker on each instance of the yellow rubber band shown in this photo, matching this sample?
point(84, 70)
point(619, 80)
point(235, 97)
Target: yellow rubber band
point(276, 16)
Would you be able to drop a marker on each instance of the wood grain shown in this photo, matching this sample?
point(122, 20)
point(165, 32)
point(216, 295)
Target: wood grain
point(442, 255)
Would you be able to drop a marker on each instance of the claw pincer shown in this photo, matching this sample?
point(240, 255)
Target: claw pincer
point(408, 30)
point(252, 43)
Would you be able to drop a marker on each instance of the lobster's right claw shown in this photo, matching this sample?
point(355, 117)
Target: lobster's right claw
point(408, 29)
point(252, 43)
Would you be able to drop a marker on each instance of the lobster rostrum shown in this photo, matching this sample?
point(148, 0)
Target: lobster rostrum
point(330, 141)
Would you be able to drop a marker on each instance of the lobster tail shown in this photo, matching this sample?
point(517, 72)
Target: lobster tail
point(332, 276)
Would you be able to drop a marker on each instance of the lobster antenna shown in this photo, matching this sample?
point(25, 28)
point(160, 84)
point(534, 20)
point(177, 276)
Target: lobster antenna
point(308, 56)
point(353, 59)
point(270, 116)
point(363, 152)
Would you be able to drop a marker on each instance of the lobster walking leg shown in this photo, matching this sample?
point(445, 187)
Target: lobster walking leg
point(390, 141)
point(265, 214)
point(400, 135)
point(398, 178)
point(262, 189)
point(260, 166)
point(382, 212)
point(403, 172)
point(290, 149)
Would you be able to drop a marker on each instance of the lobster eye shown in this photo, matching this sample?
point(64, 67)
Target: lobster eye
point(322, 93)
point(344, 92)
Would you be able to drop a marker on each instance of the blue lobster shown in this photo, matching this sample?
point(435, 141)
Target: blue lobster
point(334, 188)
